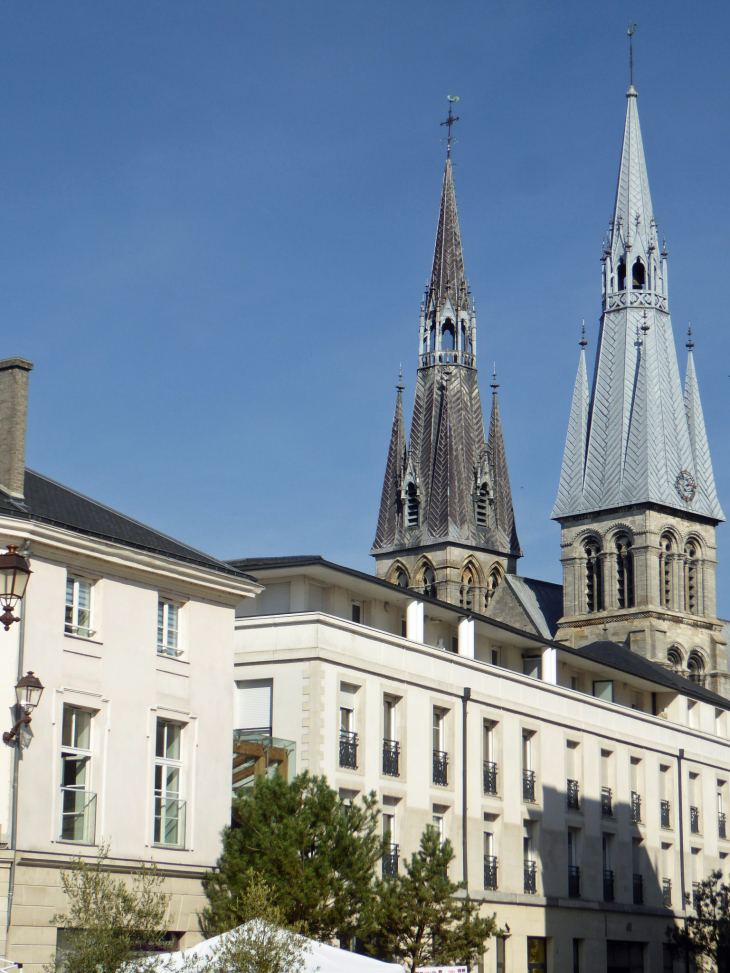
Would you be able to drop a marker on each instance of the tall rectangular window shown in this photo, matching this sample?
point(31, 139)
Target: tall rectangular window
point(168, 628)
point(78, 607)
point(78, 803)
point(169, 824)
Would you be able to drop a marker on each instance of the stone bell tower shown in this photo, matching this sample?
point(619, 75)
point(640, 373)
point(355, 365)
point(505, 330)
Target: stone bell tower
point(446, 525)
point(637, 501)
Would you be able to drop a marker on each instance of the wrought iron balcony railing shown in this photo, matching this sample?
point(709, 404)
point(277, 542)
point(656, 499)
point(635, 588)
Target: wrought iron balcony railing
point(573, 795)
point(490, 872)
point(635, 808)
point(528, 786)
point(606, 802)
point(490, 777)
point(573, 882)
point(440, 768)
point(78, 816)
point(390, 861)
point(608, 890)
point(694, 820)
point(666, 892)
point(391, 758)
point(348, 749)
point(666, 814)
point(722, 825)
point(530, 876)
point(638, 889)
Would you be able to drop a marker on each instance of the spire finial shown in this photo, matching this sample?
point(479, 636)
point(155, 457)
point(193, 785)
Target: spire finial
point(495, 383)
point(645, 327)
point(450, 121)
point(583, 341)
point(631, 31)
point(400, 386)
point(690, 343)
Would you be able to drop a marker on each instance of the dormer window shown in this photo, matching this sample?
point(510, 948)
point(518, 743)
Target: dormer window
point(638, 282)
point(412, 506)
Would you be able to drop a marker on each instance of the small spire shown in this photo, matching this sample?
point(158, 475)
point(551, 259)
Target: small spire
point(495, 383)
point(690, 343)
point(583, 341)
point(450, 121)
point(665, 252)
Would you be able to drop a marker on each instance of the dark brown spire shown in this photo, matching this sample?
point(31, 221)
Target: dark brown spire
point(447, 276)
point(394, 470)
point(504, 514)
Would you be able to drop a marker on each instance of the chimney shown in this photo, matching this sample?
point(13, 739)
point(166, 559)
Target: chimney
point(13, 421)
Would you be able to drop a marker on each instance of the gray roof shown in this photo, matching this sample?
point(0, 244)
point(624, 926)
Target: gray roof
point(640, 441)
point(448, 457)
point(542, 600)
point(49, 502)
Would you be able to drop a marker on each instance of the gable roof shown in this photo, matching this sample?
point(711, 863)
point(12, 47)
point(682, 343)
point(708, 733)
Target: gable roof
point(49, 502)
point(541, 600)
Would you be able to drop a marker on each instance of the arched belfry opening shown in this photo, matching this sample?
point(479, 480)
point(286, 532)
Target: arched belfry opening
point(594, 575)
point(621, 274)
point(625, 570)
point(448, 336)
point(482, 505)
point(412, 506)
point(638, 275)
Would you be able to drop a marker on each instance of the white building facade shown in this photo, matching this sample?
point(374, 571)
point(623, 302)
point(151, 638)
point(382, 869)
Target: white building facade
point(131, 634)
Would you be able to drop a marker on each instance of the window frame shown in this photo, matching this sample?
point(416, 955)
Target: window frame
point(176, 651)
point(165, 763)
point(72, 751)
point(72, 627)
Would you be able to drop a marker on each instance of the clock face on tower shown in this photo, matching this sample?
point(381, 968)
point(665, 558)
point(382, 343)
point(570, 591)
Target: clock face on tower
point(686, 486)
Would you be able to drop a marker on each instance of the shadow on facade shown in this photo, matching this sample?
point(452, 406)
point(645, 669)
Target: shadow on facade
point(610, 892)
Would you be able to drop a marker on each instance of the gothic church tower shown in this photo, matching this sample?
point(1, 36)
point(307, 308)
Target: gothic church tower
point(446, 525)
point(637, 501)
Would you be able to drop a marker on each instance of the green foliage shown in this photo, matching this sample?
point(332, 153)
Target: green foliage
point(109, 919)
point(259, 946)
point(316, 853)
point(417, 919)
point(706, 935)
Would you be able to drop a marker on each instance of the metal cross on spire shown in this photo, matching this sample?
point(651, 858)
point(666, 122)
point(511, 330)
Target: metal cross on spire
point(450, 121)
point(631, 31)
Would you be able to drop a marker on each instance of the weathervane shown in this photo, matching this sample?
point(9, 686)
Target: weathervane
point(400, 386)
point(450, 121)
point(495, 383)
point(631, 31)
point(583, 341)
point(690, 342)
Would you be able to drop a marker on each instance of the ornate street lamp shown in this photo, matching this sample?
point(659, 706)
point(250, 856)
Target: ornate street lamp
point(14, 574)
point(28, 693)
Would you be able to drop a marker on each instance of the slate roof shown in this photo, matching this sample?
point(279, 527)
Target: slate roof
point(618, 656)
point(448, 456)
point(542, 600)
point(49, 502)
point(641, 441)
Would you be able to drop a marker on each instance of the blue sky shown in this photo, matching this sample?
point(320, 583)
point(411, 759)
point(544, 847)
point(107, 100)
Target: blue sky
point(217, 219)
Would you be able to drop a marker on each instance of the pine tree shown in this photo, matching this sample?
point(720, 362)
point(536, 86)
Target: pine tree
point(316, 852)
point(418, 920)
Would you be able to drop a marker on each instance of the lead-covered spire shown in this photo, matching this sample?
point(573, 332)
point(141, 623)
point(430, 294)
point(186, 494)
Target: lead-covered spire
point(698, 436)
point(638, 447)
point(571, 476)
point(448, 280)
point(394, 470)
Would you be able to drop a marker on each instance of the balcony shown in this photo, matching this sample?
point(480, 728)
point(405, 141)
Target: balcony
point(638, 889)
point(608, 890)
point(78, 816)
point(490, 873)
point(169, 824)
point(528, 786)
point(573, 882)
point(635, 808)
point(348, 749)
point(722, 825)
point(666, 817)
point(390, 861)
point(667, 892)
point(530, 877)
point(391, 758)
point(490, 777)
point(694, 820)
point(573, 796)
point(606, 802)
point(440, 768)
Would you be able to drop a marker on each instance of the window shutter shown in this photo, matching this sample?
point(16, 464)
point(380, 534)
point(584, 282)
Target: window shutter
point(254, 704)
point(276, 598)
point(347, 696)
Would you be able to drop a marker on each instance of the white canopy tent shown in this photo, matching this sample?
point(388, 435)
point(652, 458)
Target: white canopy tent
point(317, 957)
